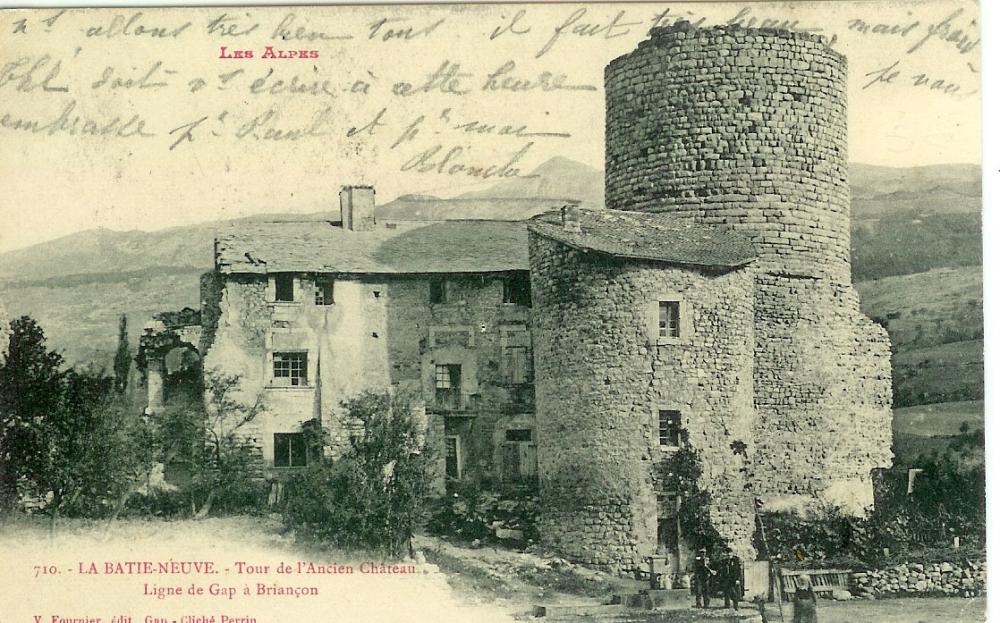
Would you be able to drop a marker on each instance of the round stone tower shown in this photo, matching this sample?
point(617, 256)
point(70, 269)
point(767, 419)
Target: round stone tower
point(723, 132)
point(735, 126)
point(746, 129)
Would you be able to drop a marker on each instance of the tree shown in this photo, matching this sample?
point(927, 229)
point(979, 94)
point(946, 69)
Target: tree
point(30, 389)
point(680, 474)
point(123, 358)
point(97, 450)
point(205, 437)
point(68, 439)
point(376, 494)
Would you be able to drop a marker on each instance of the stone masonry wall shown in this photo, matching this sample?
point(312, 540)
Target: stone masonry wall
point(746, 128)
point(343, 355)
point(379, 333)
point(601, 377)
point(468, 330)
point(743, 127)
point(823, 393)
point(964, 578)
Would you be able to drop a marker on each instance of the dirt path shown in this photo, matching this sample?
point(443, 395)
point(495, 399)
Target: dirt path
point(51, 575)
point(74, 579)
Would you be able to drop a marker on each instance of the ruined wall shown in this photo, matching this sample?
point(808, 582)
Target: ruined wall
point(823, 392)
point(744, 127)
point(379, 333)
point(602, 376)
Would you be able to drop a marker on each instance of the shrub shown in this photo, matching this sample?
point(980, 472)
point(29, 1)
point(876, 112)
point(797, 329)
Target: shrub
point(204, 439)
point(68, 442)
point(468, 512)
point(825, 538)
point(376, 494)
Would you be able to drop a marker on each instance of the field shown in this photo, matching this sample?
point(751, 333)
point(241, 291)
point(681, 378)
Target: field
point(938, 419)
point(934, 428)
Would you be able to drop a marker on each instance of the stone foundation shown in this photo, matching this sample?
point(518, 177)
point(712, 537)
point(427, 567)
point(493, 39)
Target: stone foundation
point(958, 578)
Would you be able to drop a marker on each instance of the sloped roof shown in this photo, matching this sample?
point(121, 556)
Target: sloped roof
point(649, 236)
point(458, 246)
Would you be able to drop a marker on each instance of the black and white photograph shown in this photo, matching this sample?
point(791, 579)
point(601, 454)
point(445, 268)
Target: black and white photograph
point(559, 312)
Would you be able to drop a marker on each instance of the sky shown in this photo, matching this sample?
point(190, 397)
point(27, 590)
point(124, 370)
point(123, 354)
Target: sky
point(143, 121)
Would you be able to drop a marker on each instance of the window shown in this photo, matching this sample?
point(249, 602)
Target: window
point(670, 429)
point(324, 292)
point(290, 369)
point(518, 367)
point(452, 457)
point(284, 287)
point(517, 289)
point(448, 385)
point(670, 319)
point(518, 434)
point(520, 456)
point(290, 450)
point(439, 291)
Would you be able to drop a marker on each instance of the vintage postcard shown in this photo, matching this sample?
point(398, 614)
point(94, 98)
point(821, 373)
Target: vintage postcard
point(492, 312)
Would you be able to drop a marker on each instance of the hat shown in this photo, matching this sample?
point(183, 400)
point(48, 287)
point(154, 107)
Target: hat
point(703, 551)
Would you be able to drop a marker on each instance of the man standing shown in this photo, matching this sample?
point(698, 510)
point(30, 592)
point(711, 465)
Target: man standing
point(731, 578)
point(702, 572)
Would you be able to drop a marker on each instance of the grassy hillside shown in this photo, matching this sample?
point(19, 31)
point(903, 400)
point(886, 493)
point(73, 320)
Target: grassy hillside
point(914, 241)
point(935, 321)
point(79, 313)
point(929, 308)
point(937, 429)
point(943, 373)
point(938, 419)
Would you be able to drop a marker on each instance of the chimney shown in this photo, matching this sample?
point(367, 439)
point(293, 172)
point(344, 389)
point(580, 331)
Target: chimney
point(357, 208)
point(571, 219)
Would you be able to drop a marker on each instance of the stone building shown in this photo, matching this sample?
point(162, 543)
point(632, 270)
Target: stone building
point(308, 314)
point(657, 318)
point(710, 304)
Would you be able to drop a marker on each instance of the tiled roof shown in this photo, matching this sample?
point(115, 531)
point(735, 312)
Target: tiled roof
point(649, 236)
point(400, 247)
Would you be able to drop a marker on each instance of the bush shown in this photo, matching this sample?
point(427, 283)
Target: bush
point(825, 538)
point(160, 503)
point(468, 512)
point(376, 494)
point(68, 441)
point(204, 439)
point(948, 500)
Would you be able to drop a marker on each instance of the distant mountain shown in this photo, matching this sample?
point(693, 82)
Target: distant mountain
point(425, 208)
point(552, 184)
point(906, 221)
point(869, 180)
point(556, 178)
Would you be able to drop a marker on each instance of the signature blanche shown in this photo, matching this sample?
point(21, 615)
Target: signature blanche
point(269, 52)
